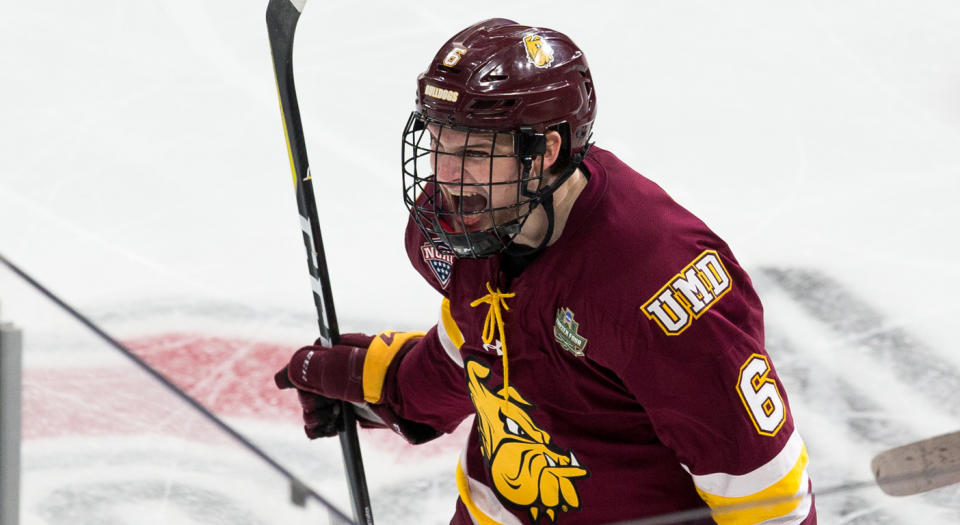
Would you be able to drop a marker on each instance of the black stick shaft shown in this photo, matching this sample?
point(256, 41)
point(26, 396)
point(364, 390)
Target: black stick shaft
point(282, 17)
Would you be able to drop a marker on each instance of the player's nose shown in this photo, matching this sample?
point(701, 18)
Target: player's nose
point(449, 168)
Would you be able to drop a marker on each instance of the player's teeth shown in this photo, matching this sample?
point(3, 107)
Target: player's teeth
point(550, 460)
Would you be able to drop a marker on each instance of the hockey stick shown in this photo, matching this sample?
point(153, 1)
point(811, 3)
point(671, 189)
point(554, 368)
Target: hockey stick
point(920, 466)
point(282, 17)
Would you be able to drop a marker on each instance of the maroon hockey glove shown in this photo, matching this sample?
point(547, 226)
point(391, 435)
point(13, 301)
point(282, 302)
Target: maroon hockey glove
point(356, 370)
point(321, 415)
point(335, 372)
point(323, 376)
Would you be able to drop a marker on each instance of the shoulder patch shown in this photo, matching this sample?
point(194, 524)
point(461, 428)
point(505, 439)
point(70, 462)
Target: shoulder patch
point(688, 294)
point(440, 259)
point(565, 333)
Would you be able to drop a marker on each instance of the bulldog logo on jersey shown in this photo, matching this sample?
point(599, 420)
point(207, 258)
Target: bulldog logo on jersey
point(689, 294)
point(527, 470)
point(539, 53)
point(440, 259)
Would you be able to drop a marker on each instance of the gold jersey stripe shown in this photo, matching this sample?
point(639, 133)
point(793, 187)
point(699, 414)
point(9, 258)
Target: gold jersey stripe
point(379, 356)
point(449, 325)
point(485, 498)
point(735, 486)
point(464, 489)
point(789, 485)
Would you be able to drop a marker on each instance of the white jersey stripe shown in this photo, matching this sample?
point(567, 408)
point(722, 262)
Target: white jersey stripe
point(738, 486)
point(444, 327)
point(481, 499)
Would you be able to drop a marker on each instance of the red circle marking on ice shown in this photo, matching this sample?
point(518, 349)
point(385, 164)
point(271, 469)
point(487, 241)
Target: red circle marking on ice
point(230, 377)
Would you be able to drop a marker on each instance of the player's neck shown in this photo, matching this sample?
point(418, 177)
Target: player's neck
point(563, 198)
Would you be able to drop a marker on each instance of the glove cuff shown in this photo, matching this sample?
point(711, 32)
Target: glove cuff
point(348, 372)
point(380, 355)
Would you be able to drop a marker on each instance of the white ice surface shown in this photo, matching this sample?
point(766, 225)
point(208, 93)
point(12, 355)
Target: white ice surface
point(144, 178)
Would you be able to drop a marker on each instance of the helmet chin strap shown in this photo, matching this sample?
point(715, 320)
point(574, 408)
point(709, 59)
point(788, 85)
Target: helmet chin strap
point(544, 197)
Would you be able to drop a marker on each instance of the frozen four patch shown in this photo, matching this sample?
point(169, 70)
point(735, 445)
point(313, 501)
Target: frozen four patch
point(440, 259)
point(565, 332)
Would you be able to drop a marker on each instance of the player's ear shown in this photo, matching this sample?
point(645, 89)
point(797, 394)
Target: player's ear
point(553, 149)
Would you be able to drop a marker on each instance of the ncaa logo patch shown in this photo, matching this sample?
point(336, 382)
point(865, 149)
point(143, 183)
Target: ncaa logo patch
point(440, 259)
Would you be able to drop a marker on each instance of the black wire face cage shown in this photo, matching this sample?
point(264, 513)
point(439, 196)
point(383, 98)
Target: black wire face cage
point(477, 205)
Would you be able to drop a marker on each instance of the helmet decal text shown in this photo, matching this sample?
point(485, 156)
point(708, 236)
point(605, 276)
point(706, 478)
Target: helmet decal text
point(439, 93)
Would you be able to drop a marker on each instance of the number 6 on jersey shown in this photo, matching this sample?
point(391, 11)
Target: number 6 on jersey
point(761, 396)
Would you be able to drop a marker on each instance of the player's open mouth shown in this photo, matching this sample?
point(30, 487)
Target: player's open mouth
point(464, 211)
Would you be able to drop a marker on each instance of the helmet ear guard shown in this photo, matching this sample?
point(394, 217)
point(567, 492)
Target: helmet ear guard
point(529, 144)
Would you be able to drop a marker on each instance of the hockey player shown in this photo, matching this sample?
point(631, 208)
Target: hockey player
point(608, 345)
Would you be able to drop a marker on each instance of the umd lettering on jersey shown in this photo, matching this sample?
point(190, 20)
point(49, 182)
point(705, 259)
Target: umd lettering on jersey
point(689, 294)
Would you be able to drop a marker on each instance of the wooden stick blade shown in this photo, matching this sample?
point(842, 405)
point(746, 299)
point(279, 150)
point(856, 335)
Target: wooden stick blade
point(918, 467)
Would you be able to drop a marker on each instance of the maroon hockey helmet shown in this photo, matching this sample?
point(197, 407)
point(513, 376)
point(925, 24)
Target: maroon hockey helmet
point(496, 78)
point(499, 75)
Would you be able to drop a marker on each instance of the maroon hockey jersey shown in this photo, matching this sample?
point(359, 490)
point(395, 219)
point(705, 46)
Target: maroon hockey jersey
point(627, 376)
